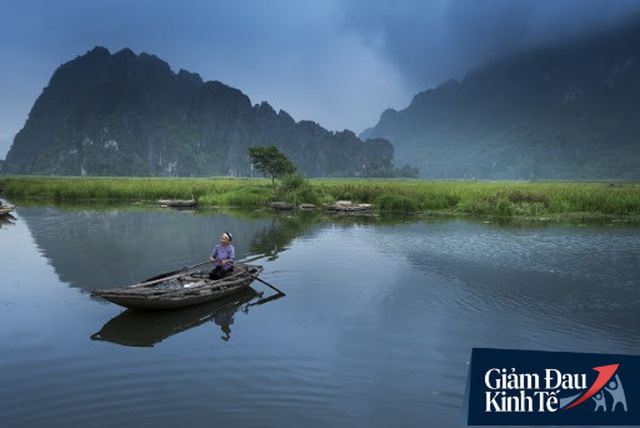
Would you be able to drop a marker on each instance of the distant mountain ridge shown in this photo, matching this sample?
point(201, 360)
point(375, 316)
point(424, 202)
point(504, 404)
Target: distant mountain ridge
point(570, 111)
point(128, 114)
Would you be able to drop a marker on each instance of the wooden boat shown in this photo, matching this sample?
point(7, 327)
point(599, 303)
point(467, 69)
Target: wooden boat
point(281, 206)
point(4, 210)
point(177, 203)
point(147, 328)
point(180, 290)
point(347, 207)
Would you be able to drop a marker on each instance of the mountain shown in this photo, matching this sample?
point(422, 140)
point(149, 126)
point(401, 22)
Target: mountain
point(128, 114)
point(568, 111)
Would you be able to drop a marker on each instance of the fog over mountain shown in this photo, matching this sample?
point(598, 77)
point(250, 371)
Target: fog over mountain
point(565, 111)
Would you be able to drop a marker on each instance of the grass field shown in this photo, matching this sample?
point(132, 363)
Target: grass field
point(501, 199)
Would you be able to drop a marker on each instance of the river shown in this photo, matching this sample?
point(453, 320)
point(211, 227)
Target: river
point(376, 328)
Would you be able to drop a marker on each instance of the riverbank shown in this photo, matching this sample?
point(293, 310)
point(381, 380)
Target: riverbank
point(499, 199)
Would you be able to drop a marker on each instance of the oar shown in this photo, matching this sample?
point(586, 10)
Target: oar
point(262, 281)
point(167, 274)
point(268, 299)
point(251, 259)
point(265, 283)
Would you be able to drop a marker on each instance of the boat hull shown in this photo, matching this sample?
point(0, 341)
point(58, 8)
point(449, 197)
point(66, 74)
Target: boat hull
point(6, 210)
point(176, 203)
point(181, 291)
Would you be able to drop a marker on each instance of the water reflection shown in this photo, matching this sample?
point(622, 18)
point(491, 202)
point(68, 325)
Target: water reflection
point(148, 328)
point(7, 220)
point(379, 319)
point(283, 229)
point(555, 276)
point(286, 227)
point(112, 246)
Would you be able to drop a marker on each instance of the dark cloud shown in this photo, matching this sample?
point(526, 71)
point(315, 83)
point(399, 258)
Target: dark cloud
point(433, 41)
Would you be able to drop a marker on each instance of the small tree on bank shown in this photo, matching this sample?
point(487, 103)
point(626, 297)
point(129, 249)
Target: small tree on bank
point(271, 161)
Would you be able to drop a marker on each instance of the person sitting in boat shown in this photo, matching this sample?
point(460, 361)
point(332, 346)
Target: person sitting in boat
point(222, 256)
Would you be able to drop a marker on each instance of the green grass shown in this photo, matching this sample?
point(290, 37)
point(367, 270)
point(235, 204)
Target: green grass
point(494, 199)
point(501, 199)
point(62, 189)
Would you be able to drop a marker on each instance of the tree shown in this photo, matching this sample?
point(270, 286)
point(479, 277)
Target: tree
point(271, 161)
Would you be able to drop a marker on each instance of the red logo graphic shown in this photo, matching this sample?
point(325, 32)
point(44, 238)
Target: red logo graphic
point(614, 388)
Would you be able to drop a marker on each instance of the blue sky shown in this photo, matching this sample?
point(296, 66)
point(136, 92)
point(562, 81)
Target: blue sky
point(340, 63)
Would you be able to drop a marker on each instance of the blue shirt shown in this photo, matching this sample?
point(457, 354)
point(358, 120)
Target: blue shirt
point(221, 253)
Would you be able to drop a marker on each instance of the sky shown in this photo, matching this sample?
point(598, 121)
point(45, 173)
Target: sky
point(340, 63)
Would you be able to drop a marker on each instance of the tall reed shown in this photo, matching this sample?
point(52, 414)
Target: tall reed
point(501, 199)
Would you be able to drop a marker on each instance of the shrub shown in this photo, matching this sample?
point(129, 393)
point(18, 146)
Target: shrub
point(291, 182)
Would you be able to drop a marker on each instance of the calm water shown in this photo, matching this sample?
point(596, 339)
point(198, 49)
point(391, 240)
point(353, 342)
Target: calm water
point(376, 329)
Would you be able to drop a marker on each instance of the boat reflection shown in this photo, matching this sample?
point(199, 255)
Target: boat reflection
point(7, 219)
point(147, 328)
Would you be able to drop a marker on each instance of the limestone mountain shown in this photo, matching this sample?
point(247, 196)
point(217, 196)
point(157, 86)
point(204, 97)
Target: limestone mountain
point(568, 111)
point(128, 114)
